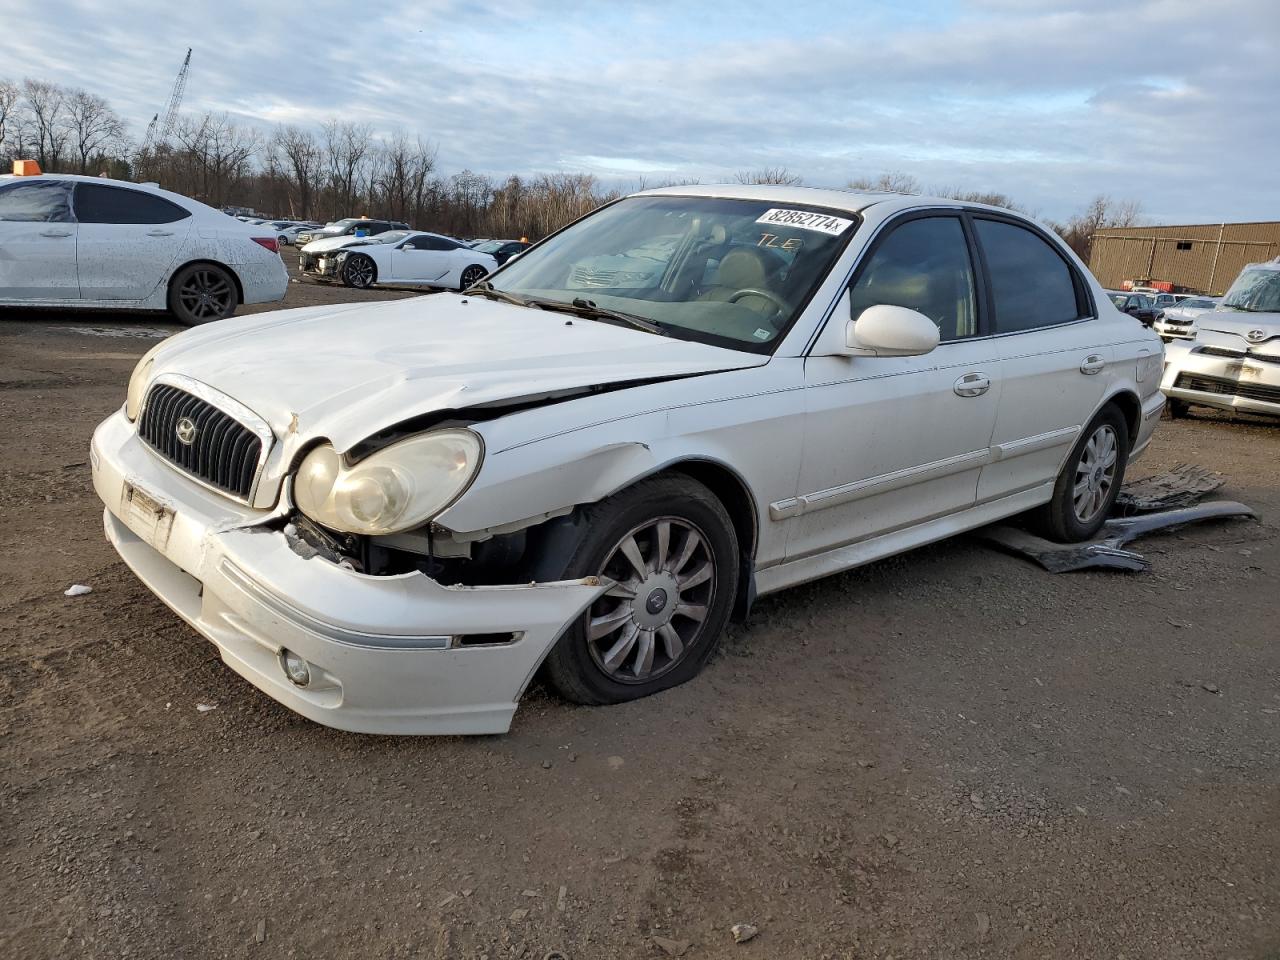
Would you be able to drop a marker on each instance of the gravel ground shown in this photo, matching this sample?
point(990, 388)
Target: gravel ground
point(946, 754)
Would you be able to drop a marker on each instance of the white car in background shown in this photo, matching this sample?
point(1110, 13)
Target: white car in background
point(389, 516)
point(402, 257)
point(289, 234)
point(68, 241)
point(1179, 322)
point(1234, 361)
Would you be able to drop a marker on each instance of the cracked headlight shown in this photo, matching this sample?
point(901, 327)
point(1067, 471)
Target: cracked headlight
point(395, 489)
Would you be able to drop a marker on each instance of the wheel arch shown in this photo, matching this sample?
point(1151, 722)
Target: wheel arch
point(1130, 407)
point(196, 261)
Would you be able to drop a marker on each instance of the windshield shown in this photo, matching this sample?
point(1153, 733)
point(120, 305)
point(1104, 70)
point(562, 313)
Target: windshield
point(1119, 299)
point(390, 236)
point(489, 246)
point(1197, 304)
point(1256, 290)
point(338, 225)
point(735, 273)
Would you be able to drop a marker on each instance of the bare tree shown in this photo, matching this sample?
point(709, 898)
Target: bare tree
point(9, 94)
point(1101, 213)
point(93, 127)
point(45, 105)
point(300, 161)
point(896, 182)
point(346, 145)
point(775, 175)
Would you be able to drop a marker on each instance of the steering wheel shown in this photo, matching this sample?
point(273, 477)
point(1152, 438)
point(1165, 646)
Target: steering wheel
point(773, 298)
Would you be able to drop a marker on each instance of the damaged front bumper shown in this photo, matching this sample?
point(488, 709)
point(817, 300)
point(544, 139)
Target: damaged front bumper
point(323, 266)
point(385, 654)
point(1226, 377)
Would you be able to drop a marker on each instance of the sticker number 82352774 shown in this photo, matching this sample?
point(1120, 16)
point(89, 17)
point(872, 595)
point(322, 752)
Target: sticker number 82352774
point(805, 220)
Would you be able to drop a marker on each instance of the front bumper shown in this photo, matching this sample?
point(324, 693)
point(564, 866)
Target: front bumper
point(1170, 331)
point(323, 265)
point(385, 653)
point(1220, 377)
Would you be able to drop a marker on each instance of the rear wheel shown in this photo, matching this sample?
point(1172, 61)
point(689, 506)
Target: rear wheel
point(1090, 480)
point(670, 547)
point(359, 271)
point(201, 293)
point(471, 276)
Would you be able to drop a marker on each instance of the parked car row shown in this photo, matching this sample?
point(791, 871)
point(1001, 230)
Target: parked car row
point(404, 257)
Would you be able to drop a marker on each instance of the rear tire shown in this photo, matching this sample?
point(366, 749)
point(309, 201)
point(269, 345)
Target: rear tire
point(1090, 480)
point(671, 546)
point(201, 293)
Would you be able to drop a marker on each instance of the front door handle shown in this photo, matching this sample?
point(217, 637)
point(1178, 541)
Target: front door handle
point(972, 385)
point(55, 233)
point(159, 233)
point(1092, 364)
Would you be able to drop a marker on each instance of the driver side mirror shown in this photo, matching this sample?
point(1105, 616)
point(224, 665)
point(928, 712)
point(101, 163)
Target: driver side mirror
point(887, 331)
point(408, 246)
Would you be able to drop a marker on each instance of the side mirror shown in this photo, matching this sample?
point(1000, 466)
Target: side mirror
point(887, 331)
point(408, 246)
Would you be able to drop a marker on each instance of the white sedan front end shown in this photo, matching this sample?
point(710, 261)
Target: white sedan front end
point(1232, 364)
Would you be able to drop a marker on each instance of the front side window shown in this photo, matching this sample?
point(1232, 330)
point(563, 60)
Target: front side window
point(38, 201)
point(725, 271)
point(923, 265)
point(97, 203)
point(1031, 284)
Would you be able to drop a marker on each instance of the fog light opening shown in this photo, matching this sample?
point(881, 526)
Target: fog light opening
point(295, 668)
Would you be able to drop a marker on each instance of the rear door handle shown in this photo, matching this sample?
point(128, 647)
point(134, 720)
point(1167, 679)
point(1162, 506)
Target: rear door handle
point(972, 385)
point(55, 233)
point(1092, 364)
point(159, 233)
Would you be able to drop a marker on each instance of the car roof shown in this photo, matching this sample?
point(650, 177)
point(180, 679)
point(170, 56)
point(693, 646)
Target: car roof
point(853, 201)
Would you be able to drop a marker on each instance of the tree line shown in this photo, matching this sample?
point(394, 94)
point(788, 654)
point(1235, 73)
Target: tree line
point(344, 169)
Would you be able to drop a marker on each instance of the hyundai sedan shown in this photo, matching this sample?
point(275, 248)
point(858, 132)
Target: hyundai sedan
point(390, 516)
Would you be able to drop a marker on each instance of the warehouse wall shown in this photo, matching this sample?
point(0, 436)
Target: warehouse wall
point(1202, 258)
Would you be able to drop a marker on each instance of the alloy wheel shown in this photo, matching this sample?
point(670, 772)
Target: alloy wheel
point(206, 295)
point(1095, 473)
point(471, 276)
point(360, 272)
point(665, 577)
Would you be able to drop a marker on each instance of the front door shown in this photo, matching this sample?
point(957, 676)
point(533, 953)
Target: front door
point(421, 259)
point(892, 442)
point(37, 242)
point(129, 239)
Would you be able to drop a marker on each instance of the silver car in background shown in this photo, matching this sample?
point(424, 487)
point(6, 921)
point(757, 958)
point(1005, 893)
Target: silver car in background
point(1179, 322)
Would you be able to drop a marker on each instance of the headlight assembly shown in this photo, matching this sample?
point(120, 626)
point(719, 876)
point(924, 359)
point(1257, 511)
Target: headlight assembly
point(138, 382)
point(395, 489)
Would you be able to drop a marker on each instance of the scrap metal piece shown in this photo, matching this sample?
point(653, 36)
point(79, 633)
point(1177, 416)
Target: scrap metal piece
point(1182, 485)
point(1105, 551)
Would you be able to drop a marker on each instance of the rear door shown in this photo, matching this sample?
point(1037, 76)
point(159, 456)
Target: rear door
point(129, 240)
point(1055, 360)
point(37, 241)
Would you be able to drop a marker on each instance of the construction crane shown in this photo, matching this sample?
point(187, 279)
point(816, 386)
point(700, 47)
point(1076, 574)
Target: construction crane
point(159, 131)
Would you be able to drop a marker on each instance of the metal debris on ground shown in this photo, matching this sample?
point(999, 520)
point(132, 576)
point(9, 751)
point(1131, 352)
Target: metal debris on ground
point(1105, 550)
point(77, 590)
point(742, 932)
point(1182, 485)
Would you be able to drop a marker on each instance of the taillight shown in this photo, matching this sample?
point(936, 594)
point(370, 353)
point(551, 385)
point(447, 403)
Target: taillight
point(271, 243)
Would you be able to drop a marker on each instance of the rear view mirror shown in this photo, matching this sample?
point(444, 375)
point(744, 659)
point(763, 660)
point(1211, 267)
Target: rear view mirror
point(888, 331)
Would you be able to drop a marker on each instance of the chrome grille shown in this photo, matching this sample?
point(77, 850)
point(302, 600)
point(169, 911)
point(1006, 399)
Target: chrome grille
point(198, 438)
point(1228, 388)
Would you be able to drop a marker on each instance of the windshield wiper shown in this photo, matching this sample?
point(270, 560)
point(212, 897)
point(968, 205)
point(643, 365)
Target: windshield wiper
point(582, 307)
point(485, 288)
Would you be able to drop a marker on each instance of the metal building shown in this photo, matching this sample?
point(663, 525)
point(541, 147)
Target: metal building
point(1199, 258)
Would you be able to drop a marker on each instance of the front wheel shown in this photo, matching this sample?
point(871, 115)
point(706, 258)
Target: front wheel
point(1090, 480)
point(670, 547)
point(471, 276)
point(201, 293)
point(359, 271)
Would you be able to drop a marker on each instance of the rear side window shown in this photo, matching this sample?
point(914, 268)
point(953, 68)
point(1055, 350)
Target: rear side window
point(1031, 284)
point(97, 203)
point(39, 201)
point(424, 242)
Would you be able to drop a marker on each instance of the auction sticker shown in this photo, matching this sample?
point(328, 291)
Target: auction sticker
point(805, 220)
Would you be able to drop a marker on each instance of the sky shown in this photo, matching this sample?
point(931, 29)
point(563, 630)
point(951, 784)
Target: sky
point(1168, 102)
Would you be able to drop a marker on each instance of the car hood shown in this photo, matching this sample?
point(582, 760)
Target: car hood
point(346, 372)
point(1234, 328)
point(332, 243)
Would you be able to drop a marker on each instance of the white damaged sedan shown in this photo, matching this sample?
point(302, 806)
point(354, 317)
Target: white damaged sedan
point(389, 516)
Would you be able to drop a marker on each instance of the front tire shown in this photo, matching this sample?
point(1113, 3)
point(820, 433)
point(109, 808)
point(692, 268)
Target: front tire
point(359, 271)
point(1090, 480)
point(471, 276)
point(201, 293)
point(672, 549)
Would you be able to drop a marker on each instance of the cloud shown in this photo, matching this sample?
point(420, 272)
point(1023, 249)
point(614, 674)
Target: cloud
point(1166, 101)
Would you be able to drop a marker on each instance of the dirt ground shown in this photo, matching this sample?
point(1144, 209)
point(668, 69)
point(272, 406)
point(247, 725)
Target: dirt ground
point(946, 754)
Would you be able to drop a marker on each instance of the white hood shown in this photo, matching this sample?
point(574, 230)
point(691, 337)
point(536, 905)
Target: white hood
point(1232, 328)
point(332, 243)
point(348, 371)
